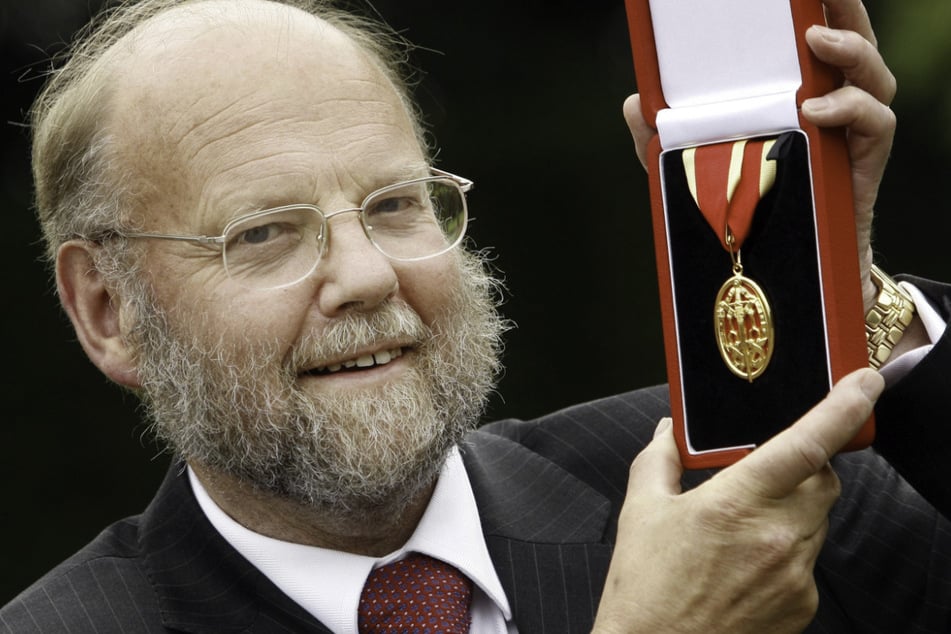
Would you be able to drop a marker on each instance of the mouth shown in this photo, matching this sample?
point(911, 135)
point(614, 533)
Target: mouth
point(361, 362)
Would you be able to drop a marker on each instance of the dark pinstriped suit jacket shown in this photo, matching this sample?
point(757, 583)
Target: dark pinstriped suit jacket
point(548, 491)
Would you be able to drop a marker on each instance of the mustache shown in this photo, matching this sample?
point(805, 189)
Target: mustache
point(392, 321)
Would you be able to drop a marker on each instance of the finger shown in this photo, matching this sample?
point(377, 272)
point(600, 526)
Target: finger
point(641, 132)
point(776, 468)
point(860, 112)
point(807, 506)
point(871, 128)
point(858, 59)
point(851, 16)
point(657, 468)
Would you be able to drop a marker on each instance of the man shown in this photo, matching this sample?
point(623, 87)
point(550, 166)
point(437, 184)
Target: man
point(236, 198)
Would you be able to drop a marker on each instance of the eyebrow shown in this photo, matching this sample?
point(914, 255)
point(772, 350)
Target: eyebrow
point(383, 178)
point(408, 171)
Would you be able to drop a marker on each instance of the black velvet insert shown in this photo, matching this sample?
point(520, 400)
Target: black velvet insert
point(780, 254)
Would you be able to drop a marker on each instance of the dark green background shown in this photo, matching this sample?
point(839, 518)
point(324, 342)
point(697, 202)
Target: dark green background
point(523, 97)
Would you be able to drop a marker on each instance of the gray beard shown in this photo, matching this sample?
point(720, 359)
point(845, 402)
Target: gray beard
point(236, 407)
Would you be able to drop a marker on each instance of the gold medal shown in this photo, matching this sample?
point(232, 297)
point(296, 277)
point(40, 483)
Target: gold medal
point(744, 323)
point(727, 181)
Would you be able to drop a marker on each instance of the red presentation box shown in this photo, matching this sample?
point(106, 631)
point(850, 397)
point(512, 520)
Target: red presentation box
point(753, 222)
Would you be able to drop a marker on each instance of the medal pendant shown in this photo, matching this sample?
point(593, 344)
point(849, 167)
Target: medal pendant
point(744, 327)
point(727, 180)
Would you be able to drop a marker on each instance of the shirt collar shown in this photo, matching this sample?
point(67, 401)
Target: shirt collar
point(328, 583)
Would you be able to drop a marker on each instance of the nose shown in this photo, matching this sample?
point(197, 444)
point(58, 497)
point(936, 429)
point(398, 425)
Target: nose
point(354, 274)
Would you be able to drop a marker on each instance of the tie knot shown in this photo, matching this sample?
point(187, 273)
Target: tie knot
point(416, 595)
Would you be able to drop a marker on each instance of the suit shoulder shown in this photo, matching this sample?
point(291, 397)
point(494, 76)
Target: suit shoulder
point(102, 587)
point(627, 416)
point(594, 441)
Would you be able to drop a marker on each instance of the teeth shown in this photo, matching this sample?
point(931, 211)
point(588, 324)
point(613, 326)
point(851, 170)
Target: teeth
point(364, 361)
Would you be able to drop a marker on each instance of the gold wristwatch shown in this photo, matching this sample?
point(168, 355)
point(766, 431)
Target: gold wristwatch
point(886, 321)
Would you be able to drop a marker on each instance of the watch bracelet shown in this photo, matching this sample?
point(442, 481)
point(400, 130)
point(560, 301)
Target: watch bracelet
point(886, 321)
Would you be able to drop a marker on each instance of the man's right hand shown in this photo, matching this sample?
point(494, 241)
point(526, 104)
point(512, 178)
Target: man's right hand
point(737, 553)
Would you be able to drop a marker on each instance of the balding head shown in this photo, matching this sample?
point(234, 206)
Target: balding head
point(137, 58)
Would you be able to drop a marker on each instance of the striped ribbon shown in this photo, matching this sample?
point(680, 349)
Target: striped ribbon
point(727, 181)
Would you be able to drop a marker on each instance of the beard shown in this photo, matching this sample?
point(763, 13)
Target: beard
point(237, 407)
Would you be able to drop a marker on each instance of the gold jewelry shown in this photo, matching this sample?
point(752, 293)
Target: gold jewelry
point(886, 321)
point(744, 322)
point(727, 181)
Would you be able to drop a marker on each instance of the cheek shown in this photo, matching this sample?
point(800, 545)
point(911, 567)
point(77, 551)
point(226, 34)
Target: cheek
point(428, 286)
point(275, 315)
point(230, 313)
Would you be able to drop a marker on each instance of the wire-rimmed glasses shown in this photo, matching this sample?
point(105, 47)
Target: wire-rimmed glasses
point(273, 248)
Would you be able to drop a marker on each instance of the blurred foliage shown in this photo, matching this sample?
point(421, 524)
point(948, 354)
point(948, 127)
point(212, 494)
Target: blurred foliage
point(915, 39)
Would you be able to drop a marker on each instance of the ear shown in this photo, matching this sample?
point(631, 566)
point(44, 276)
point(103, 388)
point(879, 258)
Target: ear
point(95, 312)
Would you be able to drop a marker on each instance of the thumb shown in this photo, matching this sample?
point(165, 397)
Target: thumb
point(640, 130)
point(784, 462)
point(657, 468)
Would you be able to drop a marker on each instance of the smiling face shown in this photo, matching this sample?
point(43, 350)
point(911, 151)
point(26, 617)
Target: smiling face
point(346, 389)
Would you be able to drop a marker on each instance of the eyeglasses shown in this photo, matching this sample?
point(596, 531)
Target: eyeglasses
point(274, 248)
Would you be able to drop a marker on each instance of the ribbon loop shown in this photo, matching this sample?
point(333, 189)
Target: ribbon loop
point(727, 181)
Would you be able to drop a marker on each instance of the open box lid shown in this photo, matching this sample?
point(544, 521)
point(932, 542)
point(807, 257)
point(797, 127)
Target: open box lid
point(707, 76)
point(725, 78)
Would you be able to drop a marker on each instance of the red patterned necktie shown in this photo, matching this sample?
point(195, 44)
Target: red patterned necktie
point(416, 595)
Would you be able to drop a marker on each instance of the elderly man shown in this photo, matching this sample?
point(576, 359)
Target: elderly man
point(248, 233)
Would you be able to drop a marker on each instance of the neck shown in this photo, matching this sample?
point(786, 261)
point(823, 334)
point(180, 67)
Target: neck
point(289, 520)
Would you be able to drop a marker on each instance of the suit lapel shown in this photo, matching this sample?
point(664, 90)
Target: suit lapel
point(544, 529)
point(202, 583)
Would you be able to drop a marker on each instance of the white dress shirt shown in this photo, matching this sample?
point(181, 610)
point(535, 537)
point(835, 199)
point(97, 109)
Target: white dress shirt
point(328, 583)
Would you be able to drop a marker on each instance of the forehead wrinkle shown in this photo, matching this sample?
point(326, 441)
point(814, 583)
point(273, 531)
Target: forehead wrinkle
point(236, 118)
point(347, 140)
point(195, 128)
point(205, 121)
point(379, 120)
point(192, 153)
point(208, 191)
point(240, 161)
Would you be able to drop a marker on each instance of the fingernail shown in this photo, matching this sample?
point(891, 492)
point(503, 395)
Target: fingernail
point(663, 425)
point(816, 104)
point(872, 384)
point(829, 35)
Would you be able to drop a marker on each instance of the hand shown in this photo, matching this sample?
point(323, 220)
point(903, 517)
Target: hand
point(737, 553)
point(861, 105)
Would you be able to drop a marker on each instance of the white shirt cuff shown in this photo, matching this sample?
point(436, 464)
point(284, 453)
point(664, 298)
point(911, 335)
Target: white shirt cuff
point(897, 368)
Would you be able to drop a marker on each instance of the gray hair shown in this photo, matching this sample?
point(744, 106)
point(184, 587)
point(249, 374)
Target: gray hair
point(82, 190)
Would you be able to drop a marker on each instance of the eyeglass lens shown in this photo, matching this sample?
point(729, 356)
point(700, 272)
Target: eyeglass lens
point(405, 222)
